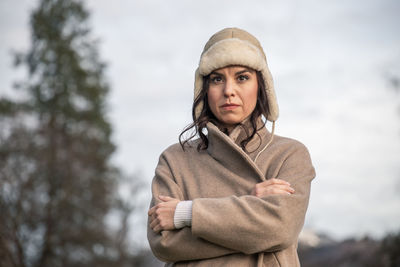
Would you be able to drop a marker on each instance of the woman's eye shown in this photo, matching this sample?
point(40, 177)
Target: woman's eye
point(216, 79)
point(243, 77)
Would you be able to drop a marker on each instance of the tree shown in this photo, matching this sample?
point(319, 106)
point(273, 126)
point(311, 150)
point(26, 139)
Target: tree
point(57, 184)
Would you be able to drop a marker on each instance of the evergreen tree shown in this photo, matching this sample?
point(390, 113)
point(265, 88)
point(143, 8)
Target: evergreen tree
point(56, 181)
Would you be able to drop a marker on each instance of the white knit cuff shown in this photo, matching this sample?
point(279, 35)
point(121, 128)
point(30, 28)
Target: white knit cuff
point(183, 214)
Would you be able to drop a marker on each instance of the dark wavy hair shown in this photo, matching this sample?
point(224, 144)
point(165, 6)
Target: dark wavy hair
point(199, 123)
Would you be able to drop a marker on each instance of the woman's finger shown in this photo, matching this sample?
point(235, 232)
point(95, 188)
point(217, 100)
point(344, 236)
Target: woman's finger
point(152, 218)
point(262, 186)
point(278, 191)
point(282, 188)
point(157, 229)
point(262, 191)
point(151, 211)
point(276, 181)
point(153, 223)
point(165, 198)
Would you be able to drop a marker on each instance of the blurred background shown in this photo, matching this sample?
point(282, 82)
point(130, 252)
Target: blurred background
point(91, 92)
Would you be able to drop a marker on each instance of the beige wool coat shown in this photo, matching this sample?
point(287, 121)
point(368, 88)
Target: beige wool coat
point(230, 227)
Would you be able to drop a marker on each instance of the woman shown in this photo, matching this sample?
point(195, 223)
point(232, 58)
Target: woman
point(236, 196)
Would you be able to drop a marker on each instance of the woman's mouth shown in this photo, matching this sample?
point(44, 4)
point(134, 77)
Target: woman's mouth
point(229, 106)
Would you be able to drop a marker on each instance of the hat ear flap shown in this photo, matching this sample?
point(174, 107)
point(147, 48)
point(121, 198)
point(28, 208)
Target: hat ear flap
point(271, 96)
point(198, 86)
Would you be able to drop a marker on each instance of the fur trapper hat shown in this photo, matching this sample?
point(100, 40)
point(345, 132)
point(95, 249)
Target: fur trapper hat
point(233, 46)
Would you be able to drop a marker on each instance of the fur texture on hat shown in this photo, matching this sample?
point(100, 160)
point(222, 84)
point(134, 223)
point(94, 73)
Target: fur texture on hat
point(233, 46)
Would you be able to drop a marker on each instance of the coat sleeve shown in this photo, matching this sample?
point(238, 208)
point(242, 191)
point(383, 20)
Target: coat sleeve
point(180, 244)
point(249, 224)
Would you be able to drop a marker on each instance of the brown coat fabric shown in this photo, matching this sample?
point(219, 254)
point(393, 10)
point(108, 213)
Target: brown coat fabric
point(229, 226)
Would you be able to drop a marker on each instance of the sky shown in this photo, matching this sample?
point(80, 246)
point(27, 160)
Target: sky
point(331, 60)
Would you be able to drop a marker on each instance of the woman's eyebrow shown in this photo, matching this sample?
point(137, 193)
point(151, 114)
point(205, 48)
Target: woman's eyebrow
point(216, 73)
point(243, 71)
point(237, 73)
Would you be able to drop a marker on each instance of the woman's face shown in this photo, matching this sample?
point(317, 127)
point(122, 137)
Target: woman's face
point(232, 94)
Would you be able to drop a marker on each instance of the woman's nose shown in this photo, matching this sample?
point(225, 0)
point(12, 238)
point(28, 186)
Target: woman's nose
point(229, 89)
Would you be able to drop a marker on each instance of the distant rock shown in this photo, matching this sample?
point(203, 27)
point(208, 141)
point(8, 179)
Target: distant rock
point(316, 250)
point(311, 239)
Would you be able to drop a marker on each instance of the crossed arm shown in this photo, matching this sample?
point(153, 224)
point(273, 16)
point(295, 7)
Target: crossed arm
point(161, 216)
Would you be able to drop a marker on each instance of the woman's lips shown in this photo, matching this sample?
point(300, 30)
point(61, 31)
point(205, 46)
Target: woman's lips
point(229, 106)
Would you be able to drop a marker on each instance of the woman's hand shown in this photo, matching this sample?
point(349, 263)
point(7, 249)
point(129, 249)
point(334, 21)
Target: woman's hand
point(272, 187)
point(162, 214)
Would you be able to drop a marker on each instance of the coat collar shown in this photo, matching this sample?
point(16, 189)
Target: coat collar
point(226, 149)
